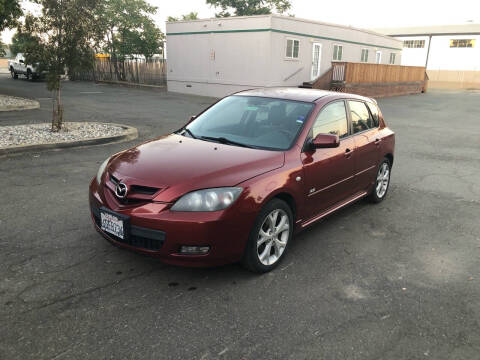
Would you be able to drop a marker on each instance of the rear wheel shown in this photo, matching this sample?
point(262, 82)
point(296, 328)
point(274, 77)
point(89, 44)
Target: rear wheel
point(382, 182)
point(13, 73)
point(269, 237)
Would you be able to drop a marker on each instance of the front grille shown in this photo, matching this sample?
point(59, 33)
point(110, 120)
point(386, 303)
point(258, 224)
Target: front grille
point(136, 189)
point(114, 180)
point(146, 190)
point(140, 237)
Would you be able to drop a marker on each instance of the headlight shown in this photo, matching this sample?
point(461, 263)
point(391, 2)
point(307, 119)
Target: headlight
point(208, 199)
point(101, 169)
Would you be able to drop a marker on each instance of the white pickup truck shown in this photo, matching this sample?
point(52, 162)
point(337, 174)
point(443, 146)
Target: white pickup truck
point(18, 66)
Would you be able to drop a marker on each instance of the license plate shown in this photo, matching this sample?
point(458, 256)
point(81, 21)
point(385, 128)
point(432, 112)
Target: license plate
point(113, 224)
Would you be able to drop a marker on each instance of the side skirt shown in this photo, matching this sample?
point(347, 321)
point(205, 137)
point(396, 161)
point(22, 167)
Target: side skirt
point(334, 208)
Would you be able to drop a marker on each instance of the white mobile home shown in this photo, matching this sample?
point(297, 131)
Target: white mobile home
point(215, 57)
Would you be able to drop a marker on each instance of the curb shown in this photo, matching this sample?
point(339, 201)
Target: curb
point(133, 85)
point(129, 134)
point(35, 105)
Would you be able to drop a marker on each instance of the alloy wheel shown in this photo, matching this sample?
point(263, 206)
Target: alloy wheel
point(383, 178)
point(273, 237)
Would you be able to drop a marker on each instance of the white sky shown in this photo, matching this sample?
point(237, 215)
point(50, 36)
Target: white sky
point(363, 14)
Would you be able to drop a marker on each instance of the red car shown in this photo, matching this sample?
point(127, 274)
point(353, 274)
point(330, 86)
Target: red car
point(243, 176)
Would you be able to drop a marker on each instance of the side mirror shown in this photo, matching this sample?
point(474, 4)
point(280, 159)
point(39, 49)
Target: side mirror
point(325, 141)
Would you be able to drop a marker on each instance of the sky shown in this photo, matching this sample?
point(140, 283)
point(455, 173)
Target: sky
point(366, 14)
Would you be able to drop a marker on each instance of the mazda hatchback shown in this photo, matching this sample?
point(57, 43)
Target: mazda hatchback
point(243, 176)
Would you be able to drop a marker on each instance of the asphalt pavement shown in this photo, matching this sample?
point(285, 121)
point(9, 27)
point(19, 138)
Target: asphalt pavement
point(397, 280)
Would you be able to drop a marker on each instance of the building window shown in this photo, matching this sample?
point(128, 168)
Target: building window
point(392, 58)
point(462, 43)
point(364, 57)
point(293, 46)
point(414, 44)
point(337, 52)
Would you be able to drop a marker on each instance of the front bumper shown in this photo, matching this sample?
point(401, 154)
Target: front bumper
point(159, 232)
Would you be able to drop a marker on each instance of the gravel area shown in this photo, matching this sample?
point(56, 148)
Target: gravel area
point(8, 103)
point(35, 134)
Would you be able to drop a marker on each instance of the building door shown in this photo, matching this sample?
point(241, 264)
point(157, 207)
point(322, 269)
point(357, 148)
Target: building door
point(378, 57)
point(316, 57)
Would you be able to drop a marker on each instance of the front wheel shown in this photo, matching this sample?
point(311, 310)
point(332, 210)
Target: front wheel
point(382, 181)
point(269, 237)
point(29, 74)
point(13, 74)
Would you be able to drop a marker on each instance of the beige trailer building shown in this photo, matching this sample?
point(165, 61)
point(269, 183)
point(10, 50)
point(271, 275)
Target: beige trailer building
point(216, 57)
point(451, 53)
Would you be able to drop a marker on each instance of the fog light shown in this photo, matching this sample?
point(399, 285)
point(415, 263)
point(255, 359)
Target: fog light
point(194, 250)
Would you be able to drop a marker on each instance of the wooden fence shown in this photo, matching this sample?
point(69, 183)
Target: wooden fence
point(376, 73)
point(138, 71)
point(375, 80)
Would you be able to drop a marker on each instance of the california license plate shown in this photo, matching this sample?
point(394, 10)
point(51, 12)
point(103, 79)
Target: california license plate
point(113, 224)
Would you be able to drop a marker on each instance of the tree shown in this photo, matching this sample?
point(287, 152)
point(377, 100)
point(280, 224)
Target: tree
point(10, 11)
point(249, 7)
point(190, 16)
point(126, 28)
point(59, 40)
point(22, 41)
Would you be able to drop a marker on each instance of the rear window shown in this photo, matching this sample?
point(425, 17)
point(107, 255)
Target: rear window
point(374, 111)
point(361, 119)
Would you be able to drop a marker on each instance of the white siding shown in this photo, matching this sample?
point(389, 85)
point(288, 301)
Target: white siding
point(246, 52)
point(442, 56)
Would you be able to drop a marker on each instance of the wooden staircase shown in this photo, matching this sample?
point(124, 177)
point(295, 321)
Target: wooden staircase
point(323, 82)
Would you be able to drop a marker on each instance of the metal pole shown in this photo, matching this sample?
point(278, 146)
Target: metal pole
point(428, 51)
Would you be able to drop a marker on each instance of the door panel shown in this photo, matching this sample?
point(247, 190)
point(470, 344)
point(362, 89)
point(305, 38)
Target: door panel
point(328, 176)
point(367, 143)
point(329, 172)
point(366, 158)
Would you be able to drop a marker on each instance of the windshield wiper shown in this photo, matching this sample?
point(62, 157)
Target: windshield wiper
point(189, 132)
point(224, 140)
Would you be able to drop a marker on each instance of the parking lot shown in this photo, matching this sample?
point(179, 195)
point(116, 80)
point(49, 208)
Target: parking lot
point(397, 280)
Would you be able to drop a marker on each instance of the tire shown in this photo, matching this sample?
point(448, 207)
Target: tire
point(382, 181)
point(264, 252)
point(13, 74)
point(28, 74)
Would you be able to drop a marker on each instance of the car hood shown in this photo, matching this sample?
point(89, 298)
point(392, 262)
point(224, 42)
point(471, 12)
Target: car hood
point(176, 165)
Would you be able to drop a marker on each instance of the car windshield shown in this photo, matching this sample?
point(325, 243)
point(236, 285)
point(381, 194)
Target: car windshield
point(251, 121)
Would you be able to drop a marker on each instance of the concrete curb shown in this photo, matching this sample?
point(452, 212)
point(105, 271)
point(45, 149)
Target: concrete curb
point(133, 85)
point(35, 105)
point(129, 134)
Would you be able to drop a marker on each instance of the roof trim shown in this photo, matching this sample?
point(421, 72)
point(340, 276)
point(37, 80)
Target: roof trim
point(347, 27)
point(282, 32)
point(437, 34)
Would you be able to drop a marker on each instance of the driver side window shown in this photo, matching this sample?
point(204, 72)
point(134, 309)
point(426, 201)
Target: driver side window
point(331, 120)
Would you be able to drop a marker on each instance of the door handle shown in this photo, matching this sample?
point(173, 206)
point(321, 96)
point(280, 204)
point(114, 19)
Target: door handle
point(348, 152)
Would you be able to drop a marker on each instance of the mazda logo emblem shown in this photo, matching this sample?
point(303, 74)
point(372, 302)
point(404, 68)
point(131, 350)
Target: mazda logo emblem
point(121, 190)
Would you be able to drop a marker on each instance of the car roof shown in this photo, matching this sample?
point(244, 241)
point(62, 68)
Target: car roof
point(298, 94)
